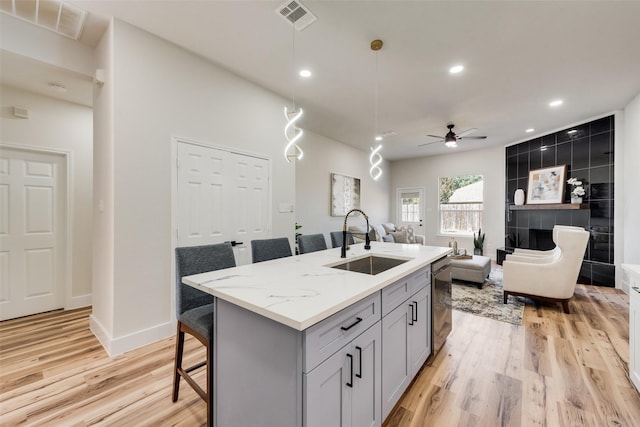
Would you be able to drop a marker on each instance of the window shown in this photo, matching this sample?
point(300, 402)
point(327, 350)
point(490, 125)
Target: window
point(460, 204)
point(410, 207)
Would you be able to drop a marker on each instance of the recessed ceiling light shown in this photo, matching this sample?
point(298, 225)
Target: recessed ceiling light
point(529, 130)
point(456, 69)
point(57, 87)
point(556, 103)
point(378, 138)
point(305, 73)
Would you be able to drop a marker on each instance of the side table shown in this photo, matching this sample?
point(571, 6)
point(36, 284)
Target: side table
point(501, 254)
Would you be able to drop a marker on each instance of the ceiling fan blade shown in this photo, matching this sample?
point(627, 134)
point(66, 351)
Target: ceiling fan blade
point(473, 137)
point(437, 136)
point(429, 143)
point(466, 132)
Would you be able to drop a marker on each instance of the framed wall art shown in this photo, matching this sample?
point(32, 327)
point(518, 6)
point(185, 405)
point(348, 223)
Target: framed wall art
point(345, 194)
point(547, 185)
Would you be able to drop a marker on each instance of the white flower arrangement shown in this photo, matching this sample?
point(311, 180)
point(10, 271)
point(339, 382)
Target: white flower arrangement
point(578, 190)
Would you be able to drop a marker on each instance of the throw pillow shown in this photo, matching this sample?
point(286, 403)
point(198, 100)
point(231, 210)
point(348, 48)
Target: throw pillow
point(400, 236)
point(388, 238)
point(410, 237)
point(380, 231)
point(389, 227)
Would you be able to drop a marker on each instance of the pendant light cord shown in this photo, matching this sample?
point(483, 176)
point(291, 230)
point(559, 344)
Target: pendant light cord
point(293, 68)
point(375, 130)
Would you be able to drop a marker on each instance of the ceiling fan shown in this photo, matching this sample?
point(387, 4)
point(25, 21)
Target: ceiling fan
point(451, 138)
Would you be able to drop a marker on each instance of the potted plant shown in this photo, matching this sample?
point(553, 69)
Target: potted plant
point(478, 242)
point(577, 191)
point(298, 227)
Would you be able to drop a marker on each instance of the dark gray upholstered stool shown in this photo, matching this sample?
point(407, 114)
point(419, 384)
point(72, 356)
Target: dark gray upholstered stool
point(336, 239)
point(267, 249)
point(195, 311)
point(311, 243)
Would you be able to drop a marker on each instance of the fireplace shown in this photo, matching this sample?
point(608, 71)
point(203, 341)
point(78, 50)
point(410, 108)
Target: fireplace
point(541, 240)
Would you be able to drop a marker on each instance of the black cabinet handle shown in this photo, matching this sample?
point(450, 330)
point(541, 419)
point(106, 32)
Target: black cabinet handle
point(234, 243)
point(346, 328)
point(415, 303)
point(350, 383)
point(359, 374)
point(412, 310)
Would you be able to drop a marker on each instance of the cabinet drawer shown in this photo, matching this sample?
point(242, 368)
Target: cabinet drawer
point(420, 279)
point(325, 338)
point(398, 292)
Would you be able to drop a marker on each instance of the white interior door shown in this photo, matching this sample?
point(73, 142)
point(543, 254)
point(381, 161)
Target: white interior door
point(222, 196)
point(250, 198)
point(410, 203)
point(32, 232)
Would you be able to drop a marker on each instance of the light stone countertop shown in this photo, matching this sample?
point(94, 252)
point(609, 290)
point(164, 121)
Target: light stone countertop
point(302, 290)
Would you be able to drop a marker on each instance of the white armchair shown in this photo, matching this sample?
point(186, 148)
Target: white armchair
point(538, 253)
point(551, 276)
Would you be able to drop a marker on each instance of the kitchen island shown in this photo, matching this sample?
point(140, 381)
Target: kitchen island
point(299, 343)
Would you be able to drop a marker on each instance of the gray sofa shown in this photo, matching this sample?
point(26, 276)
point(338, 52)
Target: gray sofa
point(386, 232)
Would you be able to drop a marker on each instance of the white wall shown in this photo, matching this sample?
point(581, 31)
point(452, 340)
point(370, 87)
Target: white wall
point(156, 90)
point(631, 207)
point(38, 43)
point(323, 156)
point(425, 171)
point(101, 321)
point(59, 125)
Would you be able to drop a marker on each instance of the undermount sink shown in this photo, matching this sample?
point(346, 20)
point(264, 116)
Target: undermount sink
point(371, 264)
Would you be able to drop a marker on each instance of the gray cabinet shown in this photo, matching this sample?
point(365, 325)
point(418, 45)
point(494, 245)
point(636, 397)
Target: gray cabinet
point(420, 330)
point(406, 337)
point(344, 390)
point(396, 370)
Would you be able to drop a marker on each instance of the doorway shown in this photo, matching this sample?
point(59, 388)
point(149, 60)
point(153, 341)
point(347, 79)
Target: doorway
point(410, 208)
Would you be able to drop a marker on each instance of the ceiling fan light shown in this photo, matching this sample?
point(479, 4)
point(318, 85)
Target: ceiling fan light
point(451, 144)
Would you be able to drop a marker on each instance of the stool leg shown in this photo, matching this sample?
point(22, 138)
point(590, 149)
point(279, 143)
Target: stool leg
point(178, 362)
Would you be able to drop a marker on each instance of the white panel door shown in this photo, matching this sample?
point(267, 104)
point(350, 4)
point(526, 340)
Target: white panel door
point(410, 203)
point(32, 232)
point(202, 196)
point(250, 199)
point(222, 196)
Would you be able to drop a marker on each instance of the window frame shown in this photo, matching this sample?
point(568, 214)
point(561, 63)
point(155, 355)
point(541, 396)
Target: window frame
point(480, 211)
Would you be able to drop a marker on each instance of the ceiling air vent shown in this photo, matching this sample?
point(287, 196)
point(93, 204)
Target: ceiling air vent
point(296, 14)
point(54, 15)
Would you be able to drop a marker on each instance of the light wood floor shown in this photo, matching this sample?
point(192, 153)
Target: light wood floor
point(555, 370)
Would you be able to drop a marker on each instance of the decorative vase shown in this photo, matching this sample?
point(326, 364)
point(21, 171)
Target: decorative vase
point(518, 197)
point(576, 200)
point(477, 251)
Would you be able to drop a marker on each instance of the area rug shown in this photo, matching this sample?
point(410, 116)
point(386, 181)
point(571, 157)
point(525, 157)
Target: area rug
point(487, 302)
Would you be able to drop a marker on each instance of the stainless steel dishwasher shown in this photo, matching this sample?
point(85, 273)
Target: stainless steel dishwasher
point(441, 297)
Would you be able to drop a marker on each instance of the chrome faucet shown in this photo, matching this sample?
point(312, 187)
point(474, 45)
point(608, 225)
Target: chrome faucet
point(367, 242)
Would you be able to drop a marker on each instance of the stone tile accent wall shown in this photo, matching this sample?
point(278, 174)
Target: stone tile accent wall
point(588, 154)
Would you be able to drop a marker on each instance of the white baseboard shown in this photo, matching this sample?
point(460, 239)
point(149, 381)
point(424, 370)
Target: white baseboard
point(117, 346)
point(101, 333)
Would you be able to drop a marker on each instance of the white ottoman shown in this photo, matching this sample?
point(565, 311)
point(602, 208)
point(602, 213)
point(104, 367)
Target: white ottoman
point(476, 269)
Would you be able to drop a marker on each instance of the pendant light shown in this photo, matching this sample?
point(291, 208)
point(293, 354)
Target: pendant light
point(293, 133)
point(375, 158)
